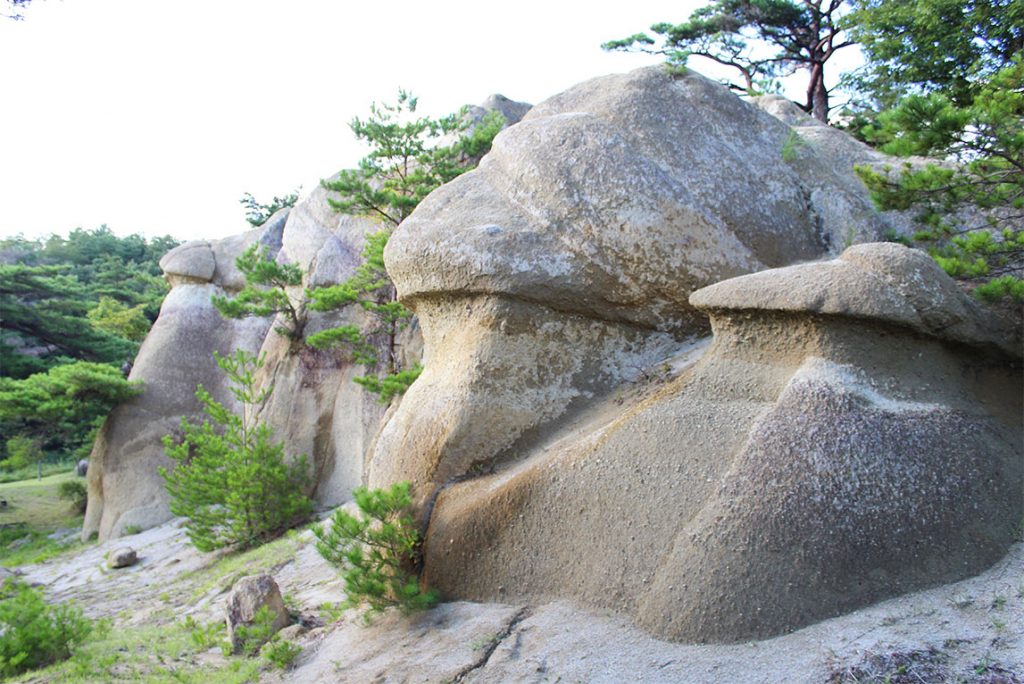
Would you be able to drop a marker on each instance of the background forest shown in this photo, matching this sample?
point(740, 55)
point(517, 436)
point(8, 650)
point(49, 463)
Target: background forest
point(73, 312)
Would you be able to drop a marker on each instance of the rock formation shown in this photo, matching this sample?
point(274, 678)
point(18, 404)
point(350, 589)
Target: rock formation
point(315, 409)
point(852, 433)
point(562, 265)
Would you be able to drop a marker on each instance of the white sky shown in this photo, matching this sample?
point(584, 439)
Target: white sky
point(154, 116)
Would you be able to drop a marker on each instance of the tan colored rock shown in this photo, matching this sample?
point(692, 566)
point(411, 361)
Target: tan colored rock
point(563, 265)
point(190, 262)
point(248, 596)
point(809, 462)
point(316, 409)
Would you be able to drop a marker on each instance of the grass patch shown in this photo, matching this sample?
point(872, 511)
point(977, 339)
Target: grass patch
point(226, 570)
point(35, 510)
point(165, 653)
point(32, 472)
point(37, 503)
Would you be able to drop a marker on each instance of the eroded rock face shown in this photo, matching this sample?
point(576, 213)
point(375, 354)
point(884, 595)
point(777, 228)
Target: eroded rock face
point(827, 450)
point(562, 266)
point(315, 409)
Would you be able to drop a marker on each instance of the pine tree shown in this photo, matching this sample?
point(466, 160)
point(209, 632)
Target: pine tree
point(231, 480)
point(949, 81)
point(376, 551)
point(761, 39)
point(405, 164)
point(266, 292)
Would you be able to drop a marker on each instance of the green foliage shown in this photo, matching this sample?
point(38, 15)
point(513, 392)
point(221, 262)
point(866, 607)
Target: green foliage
point(371, 289)
point(75, 492)
point(792, 146)
point(281, 653)
point(63, 407)
point(405, 163)
point(249, 638)
point(390, 386)
point(22, 452)
point(761, 39)
point(34, 633)
point(119, 319)
point(986, 139)
point(204, 637)
point(231, 481)
point(47, 286)
point(257, 213)
point(44, 311)
point(947, 46)
point(376, 551)
point(265, 292)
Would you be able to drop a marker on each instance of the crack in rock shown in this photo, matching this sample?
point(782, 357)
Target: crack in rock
point(498, 639)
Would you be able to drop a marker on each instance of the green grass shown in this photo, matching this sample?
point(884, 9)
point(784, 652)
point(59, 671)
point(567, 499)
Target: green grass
point(32, 472)
point(226, 570)
point(165, 653)
point(35, 510)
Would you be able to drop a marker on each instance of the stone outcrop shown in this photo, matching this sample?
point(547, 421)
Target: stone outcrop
point(852, 433)
point(315, 409)
point(562, 266)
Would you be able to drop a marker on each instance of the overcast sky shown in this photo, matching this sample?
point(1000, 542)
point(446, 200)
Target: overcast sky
point(154, 116)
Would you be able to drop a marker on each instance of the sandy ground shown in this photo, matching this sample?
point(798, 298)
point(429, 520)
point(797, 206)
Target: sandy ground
point(971, 631)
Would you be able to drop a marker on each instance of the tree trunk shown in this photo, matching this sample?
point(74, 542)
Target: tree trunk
point(817, 93)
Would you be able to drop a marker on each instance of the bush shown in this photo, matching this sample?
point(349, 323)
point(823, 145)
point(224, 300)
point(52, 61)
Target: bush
point(75, 492)
point(376, 551)
point(36, 634)
point(232, 482)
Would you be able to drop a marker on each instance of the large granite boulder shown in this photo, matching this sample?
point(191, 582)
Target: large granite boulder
point(562, 266)
point(853, 432)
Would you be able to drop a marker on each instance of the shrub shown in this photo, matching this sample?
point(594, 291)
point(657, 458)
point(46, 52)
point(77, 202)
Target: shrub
point(34, 632)
point(75, 492)
point(232, 482)
point(376, 551)
point(281, 653)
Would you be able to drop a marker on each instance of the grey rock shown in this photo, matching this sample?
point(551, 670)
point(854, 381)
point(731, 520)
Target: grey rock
point(122, 557)
point(248, 596)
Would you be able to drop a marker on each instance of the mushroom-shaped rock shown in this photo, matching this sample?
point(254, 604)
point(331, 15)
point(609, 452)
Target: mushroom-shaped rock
point(884, 282)
point(829, 449)
point(562, 266)
point(190, 262)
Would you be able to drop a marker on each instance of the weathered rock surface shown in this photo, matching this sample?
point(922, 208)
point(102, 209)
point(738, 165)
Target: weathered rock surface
point(829, 449)
point(248, 596)
point(315, 409)
point(122, 557)
point(562, 266)
point(125, 487)
point(975, 623)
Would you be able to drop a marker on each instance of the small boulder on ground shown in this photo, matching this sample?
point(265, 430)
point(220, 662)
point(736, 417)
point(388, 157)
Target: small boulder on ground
point(122, 557)
point(248, 596)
